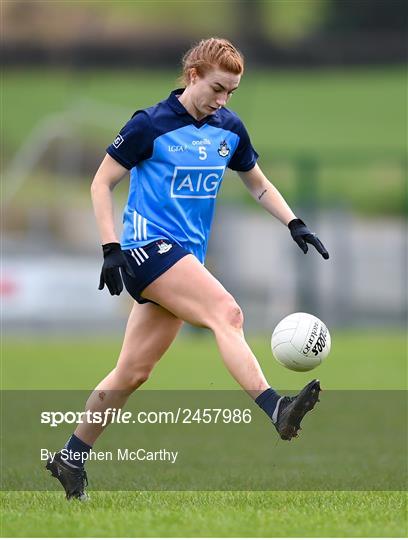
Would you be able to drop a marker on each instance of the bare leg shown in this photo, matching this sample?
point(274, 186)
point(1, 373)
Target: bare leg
point(149, 333)
point(191, 293)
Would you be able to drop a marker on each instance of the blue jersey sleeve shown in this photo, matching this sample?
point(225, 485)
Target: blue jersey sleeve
point(245, 156)
point(134, 143)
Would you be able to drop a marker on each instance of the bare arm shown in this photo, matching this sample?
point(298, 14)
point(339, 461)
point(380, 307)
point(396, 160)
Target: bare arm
point(109, 174)
point(266, 194)
point(269, 197)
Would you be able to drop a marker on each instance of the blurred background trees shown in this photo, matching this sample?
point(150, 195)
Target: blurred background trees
point(275, 32)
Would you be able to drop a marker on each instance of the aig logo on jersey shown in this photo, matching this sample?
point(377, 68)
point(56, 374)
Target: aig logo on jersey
point(196, 182)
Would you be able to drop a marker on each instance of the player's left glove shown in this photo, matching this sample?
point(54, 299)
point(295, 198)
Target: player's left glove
point(302, 236)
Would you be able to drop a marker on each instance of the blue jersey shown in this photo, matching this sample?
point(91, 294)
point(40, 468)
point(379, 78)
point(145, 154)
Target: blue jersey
point(176, 168)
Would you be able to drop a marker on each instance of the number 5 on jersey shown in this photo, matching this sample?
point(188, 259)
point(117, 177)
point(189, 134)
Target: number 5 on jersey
point(202, 152)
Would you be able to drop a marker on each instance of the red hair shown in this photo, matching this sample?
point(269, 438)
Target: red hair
point(210, 53)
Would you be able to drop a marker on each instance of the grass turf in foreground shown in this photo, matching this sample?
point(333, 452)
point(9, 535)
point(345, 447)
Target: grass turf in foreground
point(152, 514)
point(358, 360)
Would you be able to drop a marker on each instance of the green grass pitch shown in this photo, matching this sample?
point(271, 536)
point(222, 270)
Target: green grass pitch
point(350, 122)
point(206, 514)
point(358, 361)
point(311, 111)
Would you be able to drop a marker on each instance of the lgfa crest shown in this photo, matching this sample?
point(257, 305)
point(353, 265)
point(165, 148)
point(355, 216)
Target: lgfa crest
point(223, 149)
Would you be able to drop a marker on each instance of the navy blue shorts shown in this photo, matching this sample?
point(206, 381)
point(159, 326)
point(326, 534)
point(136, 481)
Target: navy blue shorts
point(148, 263)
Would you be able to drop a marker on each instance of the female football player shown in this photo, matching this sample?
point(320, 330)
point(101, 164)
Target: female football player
point(177, 152)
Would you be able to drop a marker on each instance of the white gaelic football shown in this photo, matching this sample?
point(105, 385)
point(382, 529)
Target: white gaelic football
point(300, 342)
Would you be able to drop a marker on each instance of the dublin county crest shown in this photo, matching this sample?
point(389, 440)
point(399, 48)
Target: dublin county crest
point(223, 149)
point(163, 246)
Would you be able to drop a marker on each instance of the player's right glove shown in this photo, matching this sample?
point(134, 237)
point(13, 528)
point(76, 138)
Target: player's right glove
point(110, 274)
point(302, 236)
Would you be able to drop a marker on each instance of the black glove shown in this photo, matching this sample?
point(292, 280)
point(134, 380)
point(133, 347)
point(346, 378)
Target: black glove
point(301, 234)
point(110, 274)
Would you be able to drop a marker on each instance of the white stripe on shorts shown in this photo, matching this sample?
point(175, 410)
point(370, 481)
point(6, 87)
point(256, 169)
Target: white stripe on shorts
point(144, 253)
point(139, 255)
point(134, 256)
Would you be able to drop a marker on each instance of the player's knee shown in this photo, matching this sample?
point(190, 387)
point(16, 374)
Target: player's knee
point(229, 313)
point(235, 316)
point(130, 380)
point(140, 377)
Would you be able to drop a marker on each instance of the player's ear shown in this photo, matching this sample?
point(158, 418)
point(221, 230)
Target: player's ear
point(193, 75)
